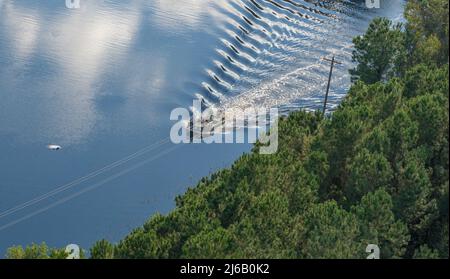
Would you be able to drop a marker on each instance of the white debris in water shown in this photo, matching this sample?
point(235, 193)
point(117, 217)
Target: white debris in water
point(53, 147)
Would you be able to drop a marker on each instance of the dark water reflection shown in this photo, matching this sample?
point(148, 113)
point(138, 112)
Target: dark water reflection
point(101, 81)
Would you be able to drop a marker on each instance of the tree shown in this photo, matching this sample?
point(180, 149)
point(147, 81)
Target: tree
point(428, 31)
point(367, 173)
point(36, 251)
point(102, 250)
point(379, 226)
point(379, 52)
point(375, 172)
point(143, 245)
point(209, 244)
point(425, 252)
point(414, 202)
point(331, 233)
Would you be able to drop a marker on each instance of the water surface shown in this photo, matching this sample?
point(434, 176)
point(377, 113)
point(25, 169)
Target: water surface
point(102, 80)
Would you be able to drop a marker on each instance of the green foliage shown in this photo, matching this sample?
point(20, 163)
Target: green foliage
point(102, 250)
point(143, 244)
point(425, 253)
point(378, 224)
point(35, 251)
point(209, 244)
point(367, 173)
point(427, 30)
point(379, 53)
point(375, 172)
point(330, 233)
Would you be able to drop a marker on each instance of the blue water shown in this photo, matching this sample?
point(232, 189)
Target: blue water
point(102, 80)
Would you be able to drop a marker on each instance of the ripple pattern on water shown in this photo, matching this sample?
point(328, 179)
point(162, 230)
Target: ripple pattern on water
point(271, 52)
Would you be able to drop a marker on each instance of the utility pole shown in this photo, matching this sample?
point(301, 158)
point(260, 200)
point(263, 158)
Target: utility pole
point(333, 61)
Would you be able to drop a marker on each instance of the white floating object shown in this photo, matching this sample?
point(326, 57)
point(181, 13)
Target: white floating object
point(53, 147)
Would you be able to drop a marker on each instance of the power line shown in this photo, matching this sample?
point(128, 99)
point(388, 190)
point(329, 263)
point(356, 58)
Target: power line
point(82, 179)
point(90, 188)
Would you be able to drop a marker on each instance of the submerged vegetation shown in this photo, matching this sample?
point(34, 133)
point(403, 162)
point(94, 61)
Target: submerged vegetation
point(375, 172)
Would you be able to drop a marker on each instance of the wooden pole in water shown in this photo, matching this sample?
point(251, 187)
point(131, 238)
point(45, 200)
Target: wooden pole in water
point(333, 61)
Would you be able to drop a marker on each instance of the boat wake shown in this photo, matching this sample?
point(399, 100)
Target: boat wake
point(270, 53)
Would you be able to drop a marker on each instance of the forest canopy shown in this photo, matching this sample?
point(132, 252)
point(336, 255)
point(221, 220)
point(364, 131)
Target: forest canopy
point(376, 171)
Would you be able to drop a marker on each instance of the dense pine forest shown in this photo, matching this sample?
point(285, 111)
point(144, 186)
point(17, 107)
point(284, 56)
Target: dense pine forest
point(376, 171)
